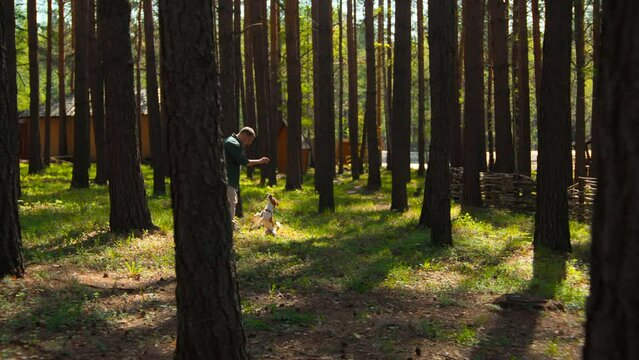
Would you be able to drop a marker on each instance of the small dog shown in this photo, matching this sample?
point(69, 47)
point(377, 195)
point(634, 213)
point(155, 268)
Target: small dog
point(265, 217)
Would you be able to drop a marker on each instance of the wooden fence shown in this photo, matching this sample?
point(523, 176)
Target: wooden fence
point(519, 193)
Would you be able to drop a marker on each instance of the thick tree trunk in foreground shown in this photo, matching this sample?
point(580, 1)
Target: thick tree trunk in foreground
point(505, 162)
point(129, 209)
point(551, 217)
point(294, 104)
point(442, 49)
point(401, 105)
point(63, 150)
point(35, 156)
point(11, 258)
point(370, 119)
point(612, 326)
point(473, 102)
point(208, 315)
point(325, 124)
point(353, 106)
point(153, 103)
point(97, 98)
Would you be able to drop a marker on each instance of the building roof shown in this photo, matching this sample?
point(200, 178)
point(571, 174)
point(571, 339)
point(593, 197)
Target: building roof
point(70, 107)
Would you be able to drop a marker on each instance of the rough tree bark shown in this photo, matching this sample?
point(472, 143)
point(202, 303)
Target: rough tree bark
point(473, 101)
point(536, 32)
point(325, 124)
point(129, 209)
point(505, 153)
point(294, 104)
point(208, 315)
point(456, 149)
point(153, 102)
point(11, 258)
point(401, 105)
point(551, 217)
point(81, 150)
point(612, 326)
point(35, 156)
point(442, 53)
point(276, 86)
point(353, 106)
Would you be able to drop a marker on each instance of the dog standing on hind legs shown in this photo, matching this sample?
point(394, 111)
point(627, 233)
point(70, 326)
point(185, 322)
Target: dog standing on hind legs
point(265, 217)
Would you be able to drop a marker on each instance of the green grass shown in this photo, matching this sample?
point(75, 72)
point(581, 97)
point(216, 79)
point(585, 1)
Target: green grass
point(362, 247)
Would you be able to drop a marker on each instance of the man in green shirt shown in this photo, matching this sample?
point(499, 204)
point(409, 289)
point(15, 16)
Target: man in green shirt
point(234, 154)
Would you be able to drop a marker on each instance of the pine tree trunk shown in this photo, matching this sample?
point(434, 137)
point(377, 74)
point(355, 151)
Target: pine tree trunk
point(340, 131)
point(47, 106)
point(489, 106)
point(153, 102)
point(596, 66)
point(64, 151)
point(237, 58)
point(325, 124)
point(262, 86)
point(370, 120)
point(505, 162)
point(523, 91)
point(9, 40)
point(129, 209)
point(11, 258)
point(97, 97)
point(138, 75)
point(457, 147)
point(249, 59)
point(353, 106)
point(580, 111)
point(81, 150)
point(401, 105)
point(276, 88)
point(442, 54)
point(208, 315)
point(421, 90)
point(35, 156)
point(612, 311)
point(473, 101)
point(379, 49)
point(551, 217)
point(537, 49)
point(230, 123)
point(388, 64)
point(294, 104)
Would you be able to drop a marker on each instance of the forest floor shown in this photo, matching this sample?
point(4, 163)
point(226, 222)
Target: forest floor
point(362, 283)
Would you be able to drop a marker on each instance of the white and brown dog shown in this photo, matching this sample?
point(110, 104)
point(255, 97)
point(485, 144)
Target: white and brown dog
point(265, 217)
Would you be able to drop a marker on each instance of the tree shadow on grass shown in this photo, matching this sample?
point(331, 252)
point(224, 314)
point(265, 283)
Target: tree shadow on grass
point(512, 331)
